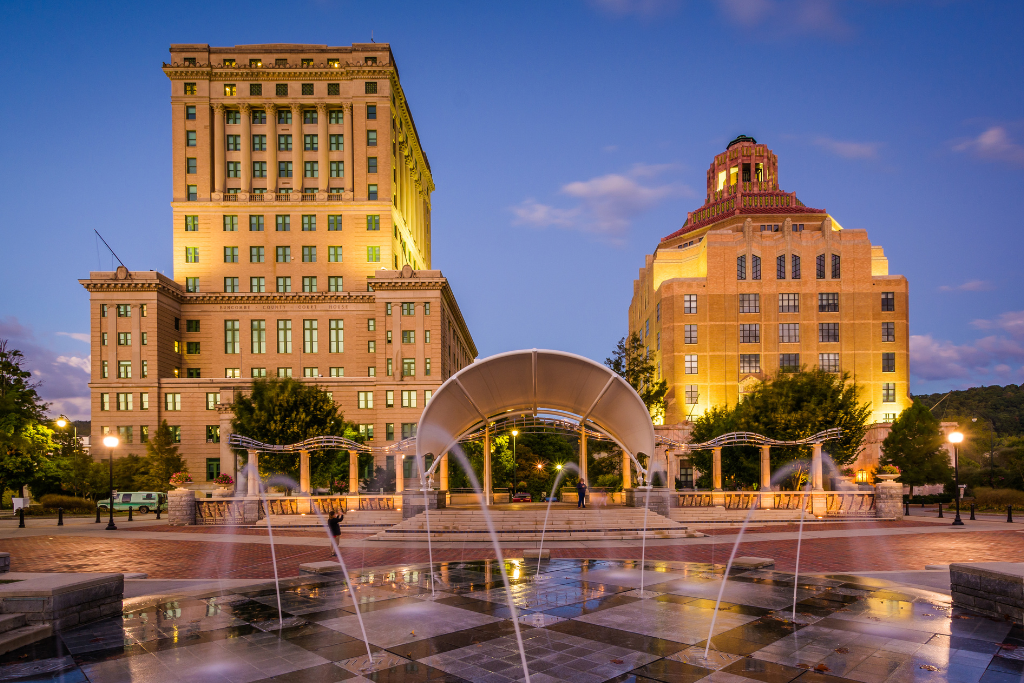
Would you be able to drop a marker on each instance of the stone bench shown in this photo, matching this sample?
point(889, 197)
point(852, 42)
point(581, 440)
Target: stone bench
point(992, 588)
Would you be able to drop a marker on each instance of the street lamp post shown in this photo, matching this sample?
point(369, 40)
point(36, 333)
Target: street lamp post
point(955, 438)
point(110, 442)
point(515, 433)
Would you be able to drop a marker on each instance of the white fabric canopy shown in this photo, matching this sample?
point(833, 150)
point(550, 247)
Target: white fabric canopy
point(534, 381)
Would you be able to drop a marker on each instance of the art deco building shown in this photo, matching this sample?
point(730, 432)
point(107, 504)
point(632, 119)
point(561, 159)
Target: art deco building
point(301, 220)
point(755, 282)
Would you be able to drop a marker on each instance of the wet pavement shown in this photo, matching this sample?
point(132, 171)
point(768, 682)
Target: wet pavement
point(581, 620)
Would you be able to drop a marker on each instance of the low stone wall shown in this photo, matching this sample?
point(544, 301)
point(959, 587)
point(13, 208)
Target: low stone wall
point(658, 500)
point(413, 503)
point(889, 500)
point(992, 588)
point(63, 600)
point(181, 507)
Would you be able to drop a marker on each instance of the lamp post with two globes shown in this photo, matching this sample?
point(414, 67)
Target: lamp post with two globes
point(111, 442)
point(955, 438)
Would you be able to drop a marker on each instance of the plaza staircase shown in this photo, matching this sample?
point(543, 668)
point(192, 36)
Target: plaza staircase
point(712, 515)
point(355, 520)
point(15, 632)
point(469, 525)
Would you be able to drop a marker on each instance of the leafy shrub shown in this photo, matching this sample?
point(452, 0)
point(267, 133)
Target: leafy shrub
point(888, 469)
point(52, 501)
point(986, 497)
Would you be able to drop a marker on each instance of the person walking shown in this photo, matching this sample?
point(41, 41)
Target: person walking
point(334, 525)
point(581, 494)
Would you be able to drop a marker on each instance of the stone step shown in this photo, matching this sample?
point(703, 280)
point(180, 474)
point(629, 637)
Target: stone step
point(10, 622)
point(22, 636)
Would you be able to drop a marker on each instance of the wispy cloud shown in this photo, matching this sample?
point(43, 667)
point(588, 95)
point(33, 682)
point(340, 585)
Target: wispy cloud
point(80, 336)
point(999, 356)
point(995, 144)
point(63, 379)
point(969, 286)
point(848, 149)
point(787, 17)
point(644, 9)
point(606, 204)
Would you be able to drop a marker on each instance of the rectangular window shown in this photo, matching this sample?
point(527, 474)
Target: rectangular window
point(284, 223)
point(388, 367)
point(789, 362)
point(284, 143)
point(829, 362)
point(371, 191)
point(232, 340)
point(755, 267)
point(190, 165)
point(819, 266)
point(888, 362)
point(309, 284)
point(234, 143)
point(373, 254)
point(408, 308)
point(371, 346)
point(337, 372)
point(311, 372)
point(284, 169)
point(795, 263)
point(408, 398)
point(690, 334)
point(255, 223)
point(692, 394)
point(258, 372)
point(408, 336)
point(124, 369)
point(234, 169)
point(124, 338)
point(191, 223)
point(311, 169)
point(284, 372)
point(230, 254)
point(233, 373)
point(192, 348)
point(103, 369)
point(125, 433)
point(230, 223)
point(835, 266)
point(888, 332)
point(335, 116)
point(259, 143)
point(408, 428)
point(366, 431)
point(337, 336)
point(103, 338)
point(192, 192)
point(365, 400)
point(104, 401)
point(259, 170)
point(371, 164)
point(689, 303)
point(389, 431)
point(172, 401)
point(888, 301)
point(283, 254)
point(335, 283)
point(256, 254)
point(371, 138)
point(333, 223)
point(690, 363)
point(408, 367)
point(828, 302)
point(124, 401)
point(308, 115)
point(144, 400)
point(373, 222)
point(212, 400)
point(190, 110)
point(284, 336)
point(190, 138)
point(889, 392)
point(789, 333)
point(828, 332)
point(371, 111)
point(231, 285)
point(309, 254)
point(229, 91)
point(371, 323)
point(750, 333)
point(310, 142)
point(191, 254)
point(789, 303)
point(426, 336)
point(741, 267)
point(310, 337)
point(750, 303)
point(750, 363)
point(258, 336)
point(780, 267)
point(145, 338)
point(426, 368)
point(145, 368)
point(337, 168)
point(284, 114)
point(257, 285)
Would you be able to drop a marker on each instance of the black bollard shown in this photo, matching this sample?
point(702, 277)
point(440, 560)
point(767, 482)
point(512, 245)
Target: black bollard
point(21, 518)
point(158, 510)
point(972, 512)
point(60, 516)
point(129, 513)
point(940, 510)
point(97, 514)
point(906, 508)
point(1009, 513)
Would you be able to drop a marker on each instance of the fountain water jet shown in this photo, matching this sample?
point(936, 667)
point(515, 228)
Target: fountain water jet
point(554, 487)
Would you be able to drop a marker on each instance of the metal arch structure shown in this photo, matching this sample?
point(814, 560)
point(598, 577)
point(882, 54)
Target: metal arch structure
point(751, 439)
point(530, 382)
point(318, 443)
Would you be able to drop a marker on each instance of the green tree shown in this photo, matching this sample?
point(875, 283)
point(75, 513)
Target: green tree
point(25, 441)
point(162, 460)
point(286, 411)
point(787, 407)
point(915, 446)
point(633, 363)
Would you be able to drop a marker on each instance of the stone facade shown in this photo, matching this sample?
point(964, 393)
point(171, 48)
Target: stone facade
point(889, 500)
point(64, 600)
point(5, 563)
point(181, 507)
point(992, 588)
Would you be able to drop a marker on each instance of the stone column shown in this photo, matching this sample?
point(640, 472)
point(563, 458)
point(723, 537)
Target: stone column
point(889, 499)
point(716, 469)
point(304, 471)
point(245, 112)
point(323, 146)
point(219, 147)
point(672, 467)
point(627, 475)
point(227, 456)
point(253, 477)
point(399, 473)
point(816, 482)
point(488, 485)
point(353, 472)
point(766, 500)
point(297, 177)
point(181, 507)
point(583, 455)
point(443, 470)
point(350, 143)
point(271, 146)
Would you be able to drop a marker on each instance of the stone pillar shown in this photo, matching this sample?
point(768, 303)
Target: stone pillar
point(219, 147)
point(627, 475)
point(252, 476)
point(350, 143)
point(353, 472)
point(766, 499)
point(716, 469)
point(245, 112)
point(889, 499)
point(816, 482)
point(297, 176)
point(583, 455)
point(227, 455)
point(271, 109)
point(181, 507)
point(323, 146)
point(399, 473)
point(304, 471)
point(488, 485)
point(443, 470)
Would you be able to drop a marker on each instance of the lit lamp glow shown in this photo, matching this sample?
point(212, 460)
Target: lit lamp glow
point(62, 423)
point(955, 438)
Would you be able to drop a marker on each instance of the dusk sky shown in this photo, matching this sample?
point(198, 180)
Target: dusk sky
point(565, 139)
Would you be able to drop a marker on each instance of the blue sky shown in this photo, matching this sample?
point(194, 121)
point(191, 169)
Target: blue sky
point(565, 139)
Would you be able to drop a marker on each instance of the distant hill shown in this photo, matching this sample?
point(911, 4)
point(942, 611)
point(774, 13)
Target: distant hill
point(1004, 406)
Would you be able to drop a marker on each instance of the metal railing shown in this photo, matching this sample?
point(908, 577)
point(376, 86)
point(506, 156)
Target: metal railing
point(213, 511)
point(837, 504)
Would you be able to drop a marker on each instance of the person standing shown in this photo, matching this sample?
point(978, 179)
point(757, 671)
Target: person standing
point(334, 525)
point(581, 494)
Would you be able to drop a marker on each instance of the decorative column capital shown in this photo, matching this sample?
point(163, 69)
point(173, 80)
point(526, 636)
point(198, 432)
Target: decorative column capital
point(245, 108)
point(321, 108)
point(219, 107)
point(296, 106)
point(271, 107)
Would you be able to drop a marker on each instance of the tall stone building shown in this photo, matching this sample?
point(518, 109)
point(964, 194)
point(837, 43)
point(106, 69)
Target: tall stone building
point(301, 203)
point(755, 282)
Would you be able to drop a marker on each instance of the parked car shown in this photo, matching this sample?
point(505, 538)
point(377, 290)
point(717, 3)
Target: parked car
point(140, 501)
point(522, 497)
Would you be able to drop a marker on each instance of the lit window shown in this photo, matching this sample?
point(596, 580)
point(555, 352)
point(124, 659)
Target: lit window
point(212, 400)
point(750, 363)
point(889, 392)
point(172, 401)
point(690, 363)
point(190, 89)
point(365, 399)
point(408, 399)
point(692, 394)
point(337, 336)
point(258, 335)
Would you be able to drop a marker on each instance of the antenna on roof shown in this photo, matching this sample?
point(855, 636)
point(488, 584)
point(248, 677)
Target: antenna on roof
point(111, 250)
point(371, 36)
